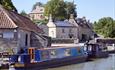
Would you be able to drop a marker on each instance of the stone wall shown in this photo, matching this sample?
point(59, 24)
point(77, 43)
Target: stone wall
point(10, 46)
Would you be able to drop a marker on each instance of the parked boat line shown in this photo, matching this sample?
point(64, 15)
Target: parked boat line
point(55, 56)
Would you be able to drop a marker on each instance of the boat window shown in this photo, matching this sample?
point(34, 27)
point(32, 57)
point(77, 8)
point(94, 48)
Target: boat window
point(89, 48)
point(85, 48)
point(44, 55)
point(53, 52)
point(67, 52)
point(79, 50)
point(1, 35)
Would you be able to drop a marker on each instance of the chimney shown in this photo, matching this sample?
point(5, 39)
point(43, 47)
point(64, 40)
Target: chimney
point(71, 16)
point(88, 21)
point(50, 18)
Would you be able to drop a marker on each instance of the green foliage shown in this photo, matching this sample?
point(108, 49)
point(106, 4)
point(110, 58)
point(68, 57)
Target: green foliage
point(37, 4)
point(71, 9)
point(8, 5)
point(105, 26)
point(59, 9)
point(40, 21)
point(56, 8)
point(23, 13)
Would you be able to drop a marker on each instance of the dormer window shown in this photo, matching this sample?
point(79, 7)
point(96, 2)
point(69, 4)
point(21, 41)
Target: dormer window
point(41, 9)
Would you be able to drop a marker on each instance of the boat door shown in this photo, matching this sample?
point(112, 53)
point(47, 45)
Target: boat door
point(91, 49)
point(94, 49)
point(31, 52)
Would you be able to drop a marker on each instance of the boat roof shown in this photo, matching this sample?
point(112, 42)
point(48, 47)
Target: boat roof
point(68, 45)
point(56, 46)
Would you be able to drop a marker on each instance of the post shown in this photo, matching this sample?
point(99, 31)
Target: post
point(113, 47)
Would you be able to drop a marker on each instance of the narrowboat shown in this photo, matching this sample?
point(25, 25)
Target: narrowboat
point(111, 48)
point(96, 51)
point(35, 59)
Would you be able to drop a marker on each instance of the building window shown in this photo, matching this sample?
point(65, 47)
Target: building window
point(26, 40)
point(63, 31)
point(41, 16)
point(33, 17)
point(84, 37)
point(8, 35)
point(71, 35)
point(1, 35)
point(70, 30)
point(52, 33)
point(41, 9)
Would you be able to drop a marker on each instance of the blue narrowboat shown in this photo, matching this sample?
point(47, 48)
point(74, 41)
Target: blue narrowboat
point(50, 57)
point(96, 51)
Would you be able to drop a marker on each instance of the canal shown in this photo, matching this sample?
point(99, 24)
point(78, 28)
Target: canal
point(98, 64)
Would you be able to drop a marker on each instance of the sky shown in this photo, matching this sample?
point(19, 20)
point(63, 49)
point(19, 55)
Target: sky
point(93, 10)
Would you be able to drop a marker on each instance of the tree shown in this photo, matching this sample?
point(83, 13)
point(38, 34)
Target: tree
point(37, 4)
point(56, 8)
point(112, 32)
point(105, 26)
point(71, 9)
point(23, 13)
point(45, 21)
point(59, 9)
point(8, 5)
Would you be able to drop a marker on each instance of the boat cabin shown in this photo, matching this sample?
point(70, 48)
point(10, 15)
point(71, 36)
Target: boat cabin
point(96, 50)
point(55, 53)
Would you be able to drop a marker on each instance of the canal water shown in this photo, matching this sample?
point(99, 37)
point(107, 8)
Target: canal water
point(98, 64)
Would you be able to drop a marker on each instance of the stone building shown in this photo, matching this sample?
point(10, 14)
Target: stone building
point(37, 13)
point(75, 28)
point(84, 26)
point(17, 31)
point(43, 27)
point(61, 29)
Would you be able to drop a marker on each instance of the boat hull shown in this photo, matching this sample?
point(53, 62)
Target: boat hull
point(112, 51)
point(99, 55)
point(51, 63)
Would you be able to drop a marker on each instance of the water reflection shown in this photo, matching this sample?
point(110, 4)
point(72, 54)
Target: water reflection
point(99, 64)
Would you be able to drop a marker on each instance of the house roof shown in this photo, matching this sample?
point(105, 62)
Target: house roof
point(83, 22)
point(63, 24)
point(11, 19)
point(38, 10)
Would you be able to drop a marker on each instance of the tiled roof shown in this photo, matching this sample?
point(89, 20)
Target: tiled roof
point(39, 10)
point(63, 24)
point(10, 19)
point(5, 22)
point(83, 23)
